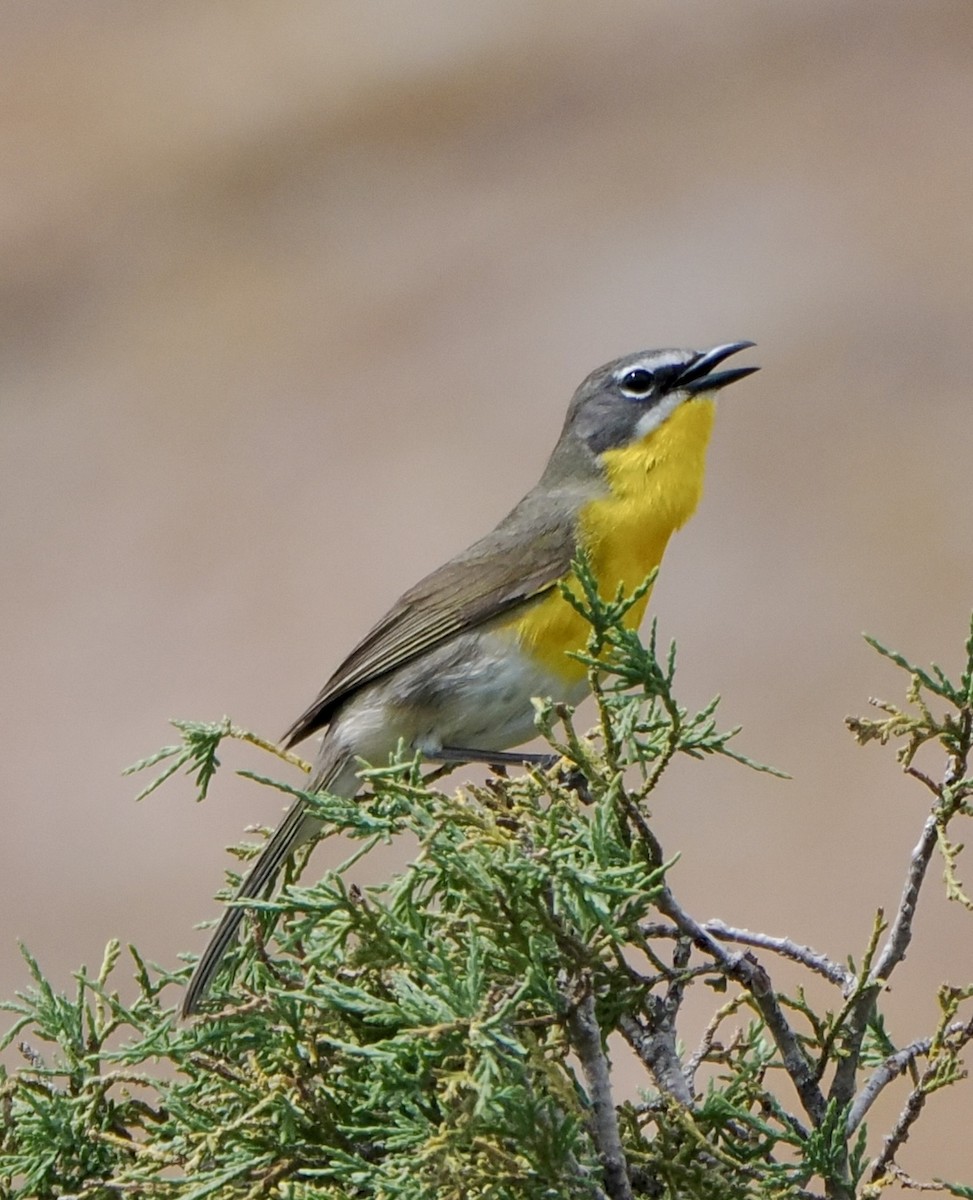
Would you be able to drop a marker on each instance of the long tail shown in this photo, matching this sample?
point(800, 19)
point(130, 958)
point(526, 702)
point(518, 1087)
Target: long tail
point(297, 827)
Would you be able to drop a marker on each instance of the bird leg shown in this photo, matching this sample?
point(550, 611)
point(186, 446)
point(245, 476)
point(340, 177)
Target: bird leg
point(493, 758)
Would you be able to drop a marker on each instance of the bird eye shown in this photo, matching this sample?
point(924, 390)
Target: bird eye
point(638, 382)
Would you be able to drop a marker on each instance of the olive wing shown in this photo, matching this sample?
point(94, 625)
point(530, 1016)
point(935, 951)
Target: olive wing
point(522, 558)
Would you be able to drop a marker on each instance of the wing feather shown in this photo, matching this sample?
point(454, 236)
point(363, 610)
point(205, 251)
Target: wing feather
point(523, 557)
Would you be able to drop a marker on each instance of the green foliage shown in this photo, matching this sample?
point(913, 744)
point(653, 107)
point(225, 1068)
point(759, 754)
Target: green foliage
point(444, 1034)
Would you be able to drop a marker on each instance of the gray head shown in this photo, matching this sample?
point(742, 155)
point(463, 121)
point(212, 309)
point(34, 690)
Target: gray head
point(625, 400)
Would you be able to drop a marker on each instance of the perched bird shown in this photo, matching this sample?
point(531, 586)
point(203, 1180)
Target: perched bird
point(452, 667)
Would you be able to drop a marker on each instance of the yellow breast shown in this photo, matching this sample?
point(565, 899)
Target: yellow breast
point(654, 488)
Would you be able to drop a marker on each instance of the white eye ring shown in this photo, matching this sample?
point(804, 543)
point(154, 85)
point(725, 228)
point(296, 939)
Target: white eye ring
point(637, 383)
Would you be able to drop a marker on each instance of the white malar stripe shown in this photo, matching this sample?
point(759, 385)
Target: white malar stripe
point(654, 417)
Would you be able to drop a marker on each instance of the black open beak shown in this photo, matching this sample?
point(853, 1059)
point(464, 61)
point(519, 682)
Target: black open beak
point(696, 377)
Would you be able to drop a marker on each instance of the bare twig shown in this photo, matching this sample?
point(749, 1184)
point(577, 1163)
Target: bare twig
point(860, 999)
point(883, 1075)
point(586, 1039)
point(904, 1180)
point(893, 952)
point(954, 1037)
point(804, 955)
point(745, 969)
point(894, 1141)
point(709, 1034)
point(900, 933)
point(657, 1049)
point(244, 735)
point(896, 945)
point(654, 1040)
point(924, 779)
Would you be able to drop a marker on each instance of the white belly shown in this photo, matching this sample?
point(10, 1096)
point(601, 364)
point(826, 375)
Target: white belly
point(473, 692)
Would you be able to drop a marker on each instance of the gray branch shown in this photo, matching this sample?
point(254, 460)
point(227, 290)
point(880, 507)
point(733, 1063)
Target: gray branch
point(586, 1038)
point(956, 1036)
point(893, 952)
point(657, 1049)
point(805, 955)
point(745, 969)
point(900, 935)
point(890, 1069)
point(900, 1132)
point(704, 1048)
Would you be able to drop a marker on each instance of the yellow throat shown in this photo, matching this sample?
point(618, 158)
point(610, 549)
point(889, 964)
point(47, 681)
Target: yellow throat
point(654, 486)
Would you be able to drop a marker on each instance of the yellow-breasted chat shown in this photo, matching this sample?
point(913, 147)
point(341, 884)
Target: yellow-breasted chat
point(453, 666)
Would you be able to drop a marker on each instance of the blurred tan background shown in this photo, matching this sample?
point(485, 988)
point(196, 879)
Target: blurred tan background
point(292, 300)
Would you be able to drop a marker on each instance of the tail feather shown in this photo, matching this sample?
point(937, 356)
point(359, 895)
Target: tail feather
point(296, 828)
